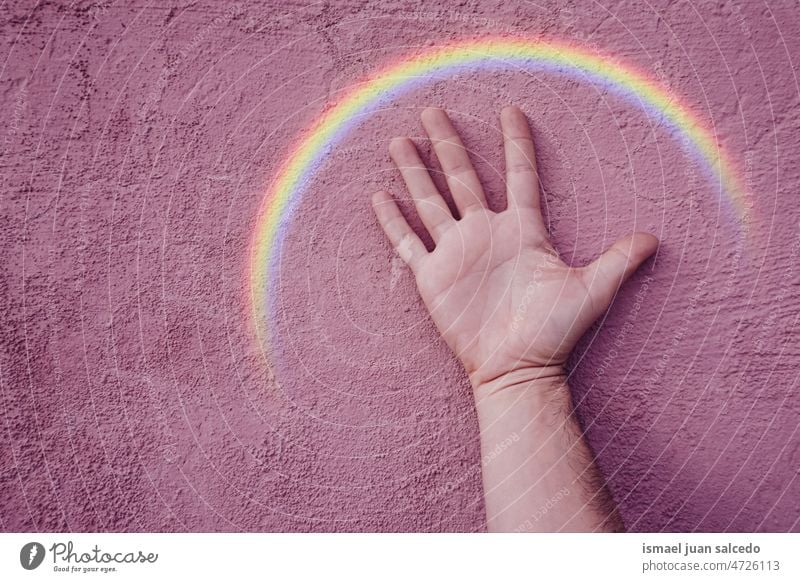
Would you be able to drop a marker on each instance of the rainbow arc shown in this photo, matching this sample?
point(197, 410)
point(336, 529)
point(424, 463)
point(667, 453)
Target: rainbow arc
point(300, 165)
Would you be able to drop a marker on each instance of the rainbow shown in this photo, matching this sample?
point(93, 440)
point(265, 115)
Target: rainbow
point(491, 53)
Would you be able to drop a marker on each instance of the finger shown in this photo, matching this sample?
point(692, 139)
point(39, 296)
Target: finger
point(610, 270)
point(430, 205)
point(522, 179)
point(461, 177)
point(403, 238)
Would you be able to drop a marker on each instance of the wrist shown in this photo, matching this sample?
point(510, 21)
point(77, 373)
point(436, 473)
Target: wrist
point(534, 381)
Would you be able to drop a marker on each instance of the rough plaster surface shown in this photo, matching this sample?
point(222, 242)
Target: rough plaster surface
point(137, 142)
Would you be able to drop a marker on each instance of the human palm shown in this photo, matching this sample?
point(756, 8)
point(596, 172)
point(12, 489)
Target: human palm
point(495, 287)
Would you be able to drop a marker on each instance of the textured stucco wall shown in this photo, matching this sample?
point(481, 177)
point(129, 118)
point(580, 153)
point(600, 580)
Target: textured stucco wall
point(137, 142)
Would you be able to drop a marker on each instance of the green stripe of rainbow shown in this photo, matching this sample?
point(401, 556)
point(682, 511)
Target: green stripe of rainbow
point(301, 163)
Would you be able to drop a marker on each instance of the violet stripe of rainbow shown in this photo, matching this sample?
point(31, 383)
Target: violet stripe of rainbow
point(302, 163)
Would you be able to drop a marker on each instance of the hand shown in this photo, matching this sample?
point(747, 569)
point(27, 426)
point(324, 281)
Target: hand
point(495, 287)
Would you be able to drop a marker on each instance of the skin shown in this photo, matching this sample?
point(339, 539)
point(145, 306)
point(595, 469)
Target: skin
point(511, 310)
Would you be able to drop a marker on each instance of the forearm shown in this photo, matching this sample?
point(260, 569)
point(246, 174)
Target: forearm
point(538, 472)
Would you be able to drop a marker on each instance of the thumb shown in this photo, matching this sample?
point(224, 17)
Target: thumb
point(610, 270)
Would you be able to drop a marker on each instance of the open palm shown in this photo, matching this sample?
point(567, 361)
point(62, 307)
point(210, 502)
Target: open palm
point(494, 285)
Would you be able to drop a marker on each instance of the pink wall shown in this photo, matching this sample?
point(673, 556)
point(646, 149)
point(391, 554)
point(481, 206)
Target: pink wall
point(137, 145)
